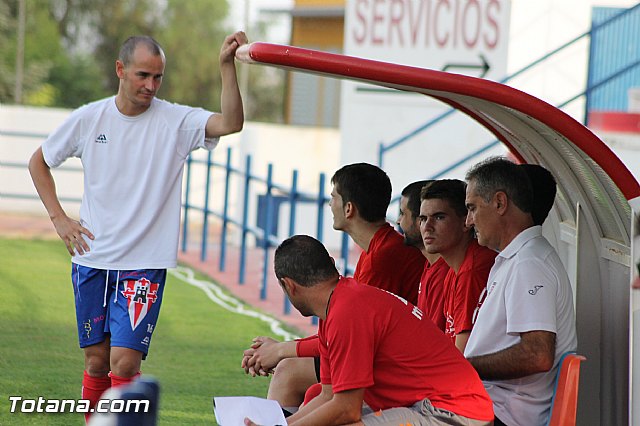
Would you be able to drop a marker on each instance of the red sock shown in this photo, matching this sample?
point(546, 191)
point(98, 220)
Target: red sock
point(92, 389)
point(312, 392)
point(120, 381)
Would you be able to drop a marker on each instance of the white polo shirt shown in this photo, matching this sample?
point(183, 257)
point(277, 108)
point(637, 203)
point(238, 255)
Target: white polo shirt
point(133, 169)
point(528, 289)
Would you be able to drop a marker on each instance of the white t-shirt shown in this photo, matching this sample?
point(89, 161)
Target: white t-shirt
point(133, 169)
point(527, 290)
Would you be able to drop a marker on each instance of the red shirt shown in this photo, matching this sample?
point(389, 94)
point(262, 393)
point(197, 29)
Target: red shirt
point(462, 291)
point(374, 340)
point(391, 265)
point(431, 292)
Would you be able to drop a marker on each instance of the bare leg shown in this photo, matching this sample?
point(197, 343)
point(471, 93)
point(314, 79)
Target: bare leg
point(290, 381)
point(125, 362)
point(96, 359)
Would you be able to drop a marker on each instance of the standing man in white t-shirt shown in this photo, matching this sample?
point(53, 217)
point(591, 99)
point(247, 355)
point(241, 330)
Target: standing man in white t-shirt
point(133, 147)
point(526, 322)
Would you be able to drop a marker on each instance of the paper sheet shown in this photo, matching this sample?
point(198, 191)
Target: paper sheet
point(231, 411)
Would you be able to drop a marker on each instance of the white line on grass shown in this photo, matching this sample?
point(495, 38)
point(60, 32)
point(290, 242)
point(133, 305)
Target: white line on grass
point(231, 304)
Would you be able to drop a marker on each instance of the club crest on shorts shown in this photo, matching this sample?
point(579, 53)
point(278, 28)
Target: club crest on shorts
point(140, 296)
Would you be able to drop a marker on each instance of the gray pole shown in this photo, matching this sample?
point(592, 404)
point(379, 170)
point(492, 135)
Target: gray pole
point(17, 96)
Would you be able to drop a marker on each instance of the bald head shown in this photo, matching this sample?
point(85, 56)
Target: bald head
point(129, 46)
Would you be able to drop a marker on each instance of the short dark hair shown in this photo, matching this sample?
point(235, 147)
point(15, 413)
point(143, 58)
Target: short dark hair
point(412, 193)
point(450, 190)
point(366, 186)
point(130, 44)
point(305, 260)
point(543, 185)
point(499, 174)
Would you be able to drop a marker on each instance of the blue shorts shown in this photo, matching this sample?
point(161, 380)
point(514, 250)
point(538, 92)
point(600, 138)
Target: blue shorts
point(122, 304)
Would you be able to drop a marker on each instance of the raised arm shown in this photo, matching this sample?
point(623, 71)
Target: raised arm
point(231, 117)
point(534, 353)
point(70, 231)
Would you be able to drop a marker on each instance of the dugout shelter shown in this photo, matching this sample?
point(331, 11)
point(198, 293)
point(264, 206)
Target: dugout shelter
point(593, 223)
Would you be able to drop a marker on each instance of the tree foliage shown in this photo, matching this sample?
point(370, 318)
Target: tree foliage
point(192, 44)
point(78, 79)
point(41, 49)
point(7, 52)
point(71, 48)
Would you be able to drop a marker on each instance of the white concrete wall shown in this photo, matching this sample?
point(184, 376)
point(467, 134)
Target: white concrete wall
point(18, 150)
point(309, 150)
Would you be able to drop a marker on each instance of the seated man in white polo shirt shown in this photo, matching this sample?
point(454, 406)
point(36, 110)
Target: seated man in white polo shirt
point(526, 321)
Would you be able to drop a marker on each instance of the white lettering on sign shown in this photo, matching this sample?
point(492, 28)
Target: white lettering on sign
point(442, 24)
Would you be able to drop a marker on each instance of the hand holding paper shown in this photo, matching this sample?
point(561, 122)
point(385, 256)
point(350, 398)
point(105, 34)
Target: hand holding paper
point(232, 411)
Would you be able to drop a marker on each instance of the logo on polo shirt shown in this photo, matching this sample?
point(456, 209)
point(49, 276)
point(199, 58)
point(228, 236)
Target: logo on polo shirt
point(535, 289)
point(101, 138)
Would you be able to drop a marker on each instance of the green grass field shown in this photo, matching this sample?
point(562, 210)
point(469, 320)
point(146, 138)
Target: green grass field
point(195, 353)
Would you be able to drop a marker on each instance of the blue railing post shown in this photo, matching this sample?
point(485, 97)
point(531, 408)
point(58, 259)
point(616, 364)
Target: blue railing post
point(320, 223)
point(185, 220)
point(225, 213)
point(205, 219)
point(293, 198)
point(245, 219)
point(266, 240)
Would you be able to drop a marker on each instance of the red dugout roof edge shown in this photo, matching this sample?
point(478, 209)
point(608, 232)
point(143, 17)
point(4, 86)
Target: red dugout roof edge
point(413, 78)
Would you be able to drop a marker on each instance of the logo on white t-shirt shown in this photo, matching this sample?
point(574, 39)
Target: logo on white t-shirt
point(535, 289)
point(101, 138)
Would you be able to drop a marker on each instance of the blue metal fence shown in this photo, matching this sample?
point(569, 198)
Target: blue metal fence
point(24, 166)
point(613, 48)
point(263, 187)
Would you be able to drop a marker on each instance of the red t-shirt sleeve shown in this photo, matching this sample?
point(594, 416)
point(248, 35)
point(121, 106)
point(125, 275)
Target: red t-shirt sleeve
point(308, 347)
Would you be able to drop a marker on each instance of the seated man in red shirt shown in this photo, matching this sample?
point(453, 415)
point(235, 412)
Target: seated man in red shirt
point(442, 222)
point(359, 200)
point(360, 197)
point(431, 288)
point(375, 348)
